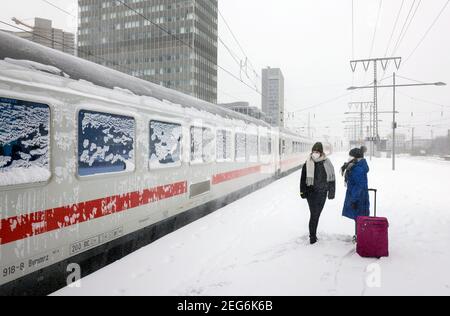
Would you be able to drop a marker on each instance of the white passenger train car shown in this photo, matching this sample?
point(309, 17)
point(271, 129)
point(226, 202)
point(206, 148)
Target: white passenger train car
point(95, 164)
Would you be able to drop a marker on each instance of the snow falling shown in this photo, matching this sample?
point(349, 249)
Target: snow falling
point(259, 245)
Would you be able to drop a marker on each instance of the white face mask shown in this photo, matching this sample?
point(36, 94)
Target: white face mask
point(315, 156)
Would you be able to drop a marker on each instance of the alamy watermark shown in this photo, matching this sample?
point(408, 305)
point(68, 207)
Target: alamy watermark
point(374, 276)
point(74, 277)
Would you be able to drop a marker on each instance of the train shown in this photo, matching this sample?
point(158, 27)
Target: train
point(95, 164)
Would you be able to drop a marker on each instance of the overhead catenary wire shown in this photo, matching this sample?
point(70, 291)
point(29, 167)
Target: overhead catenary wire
point(406, 26)
point(324, 102)
point(87, 53)
point(245, 62)
point(401, 37)
point(236, 59)
point(189, 46)
point(59, 8)
point(230, 51)
point(404, 30)
point(406, 78)
point(374, 37)
point(353, 29)
point(155, 24)
point(376, 28)
point(237, 41)
point(441, 12)
point(65, 45)
point(424, 101)
point(394, 28)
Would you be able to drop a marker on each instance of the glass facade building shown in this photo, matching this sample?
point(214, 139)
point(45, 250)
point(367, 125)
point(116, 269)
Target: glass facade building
point(134, 41)
point(273, 96)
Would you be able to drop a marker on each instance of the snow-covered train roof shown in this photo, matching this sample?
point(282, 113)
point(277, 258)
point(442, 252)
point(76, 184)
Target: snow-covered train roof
point(48, 60)
point(289, 132)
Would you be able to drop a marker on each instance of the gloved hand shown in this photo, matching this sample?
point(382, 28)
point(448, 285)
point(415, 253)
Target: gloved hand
point(354, 206)
point(331, 196)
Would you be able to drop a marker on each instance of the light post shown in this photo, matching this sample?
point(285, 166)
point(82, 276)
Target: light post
point(395, 86)
point(432, 131)
point(394, 126)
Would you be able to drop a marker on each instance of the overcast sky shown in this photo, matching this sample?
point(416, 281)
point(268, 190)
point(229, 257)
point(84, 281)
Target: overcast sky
point(311, 41)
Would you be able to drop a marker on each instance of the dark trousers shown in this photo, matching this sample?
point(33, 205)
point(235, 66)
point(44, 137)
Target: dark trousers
point(316, 204)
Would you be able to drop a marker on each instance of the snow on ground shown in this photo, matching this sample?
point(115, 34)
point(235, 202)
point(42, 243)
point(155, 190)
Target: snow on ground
point(258, 245)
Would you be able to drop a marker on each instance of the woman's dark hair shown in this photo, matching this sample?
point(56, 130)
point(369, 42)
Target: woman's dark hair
point(318, 147)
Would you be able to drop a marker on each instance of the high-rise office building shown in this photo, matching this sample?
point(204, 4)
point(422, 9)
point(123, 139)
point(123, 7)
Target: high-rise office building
point(273, 96)
point(43, 33)
point(134, 41)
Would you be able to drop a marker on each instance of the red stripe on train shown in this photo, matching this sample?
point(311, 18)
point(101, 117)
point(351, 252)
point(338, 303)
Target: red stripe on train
point(25, 226)
point(228, 176)
point(291, 162)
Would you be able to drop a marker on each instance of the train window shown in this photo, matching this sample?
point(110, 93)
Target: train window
point(202, 145)
point(165, 144)
point(296, 147)
point(241, 146)
point(209, 149)
point(105, 143)
point(24, 142)
point(264, 146)
point(283, 147)
point(252, 147)
point(224, 146)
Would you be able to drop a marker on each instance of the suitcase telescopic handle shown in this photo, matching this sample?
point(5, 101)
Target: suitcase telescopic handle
point(375, 204)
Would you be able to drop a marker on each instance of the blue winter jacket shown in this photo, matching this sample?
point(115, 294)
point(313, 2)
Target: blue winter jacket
point(357, 191)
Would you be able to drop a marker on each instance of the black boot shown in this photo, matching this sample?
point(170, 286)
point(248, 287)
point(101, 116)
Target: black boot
point(313, 240)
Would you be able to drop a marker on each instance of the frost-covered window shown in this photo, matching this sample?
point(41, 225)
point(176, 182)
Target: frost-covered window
point(241, 146)
point(252, 147)
point(224, 146)
point(105, 143)
point(209, 150)
point(202, 145)
point(24, 142)
point(165, 144)
point(196, 144)
point(265, 146)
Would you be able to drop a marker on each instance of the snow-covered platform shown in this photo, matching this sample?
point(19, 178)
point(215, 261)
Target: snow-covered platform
point(258, 245)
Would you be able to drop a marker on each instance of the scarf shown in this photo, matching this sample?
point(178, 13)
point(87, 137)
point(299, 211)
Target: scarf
point(311, 168)
point(347, 168)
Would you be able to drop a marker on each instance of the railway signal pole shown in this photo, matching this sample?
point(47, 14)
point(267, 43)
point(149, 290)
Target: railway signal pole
point(384, 62)
point(362, 113)
point(360, 106)
point(395, 86)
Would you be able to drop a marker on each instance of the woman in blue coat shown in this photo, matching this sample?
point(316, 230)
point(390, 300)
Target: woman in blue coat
point(357, 202)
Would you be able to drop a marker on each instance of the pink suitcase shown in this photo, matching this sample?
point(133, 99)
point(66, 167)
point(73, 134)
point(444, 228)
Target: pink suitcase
point(373, 235)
